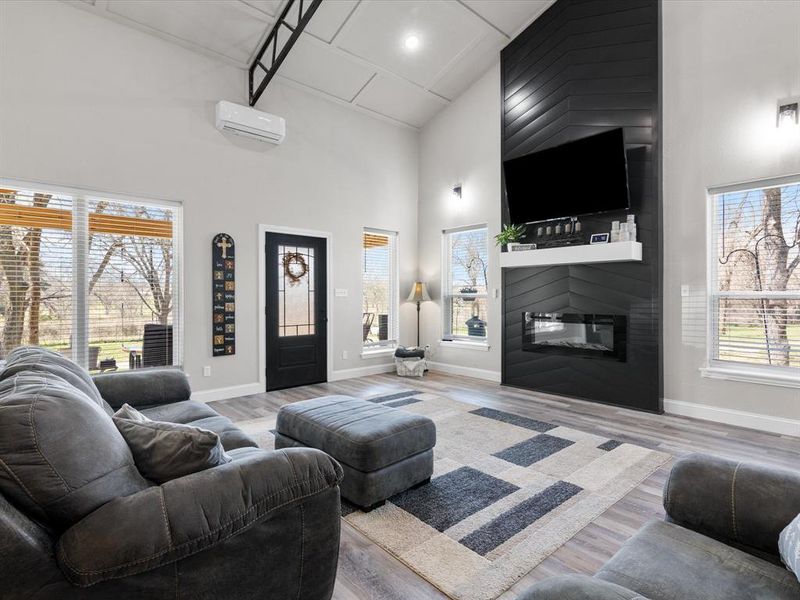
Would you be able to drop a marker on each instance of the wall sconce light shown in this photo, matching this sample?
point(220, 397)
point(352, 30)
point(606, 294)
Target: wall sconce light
point(457, 192)
point(788, 113)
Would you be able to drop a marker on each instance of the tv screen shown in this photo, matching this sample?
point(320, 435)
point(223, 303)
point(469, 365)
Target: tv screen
point(583, 177)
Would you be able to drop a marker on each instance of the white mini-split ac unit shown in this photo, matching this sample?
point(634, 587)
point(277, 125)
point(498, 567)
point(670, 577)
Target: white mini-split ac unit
point(250, 122)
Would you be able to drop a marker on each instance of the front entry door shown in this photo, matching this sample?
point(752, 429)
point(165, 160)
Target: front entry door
point(297, 322)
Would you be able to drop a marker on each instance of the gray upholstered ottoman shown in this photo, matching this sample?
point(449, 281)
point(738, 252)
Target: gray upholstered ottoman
point(382, 450)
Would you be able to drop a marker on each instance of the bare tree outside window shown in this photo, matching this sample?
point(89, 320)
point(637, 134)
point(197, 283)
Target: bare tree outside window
point(465, 284)
point(130, 274)
point(756, 304)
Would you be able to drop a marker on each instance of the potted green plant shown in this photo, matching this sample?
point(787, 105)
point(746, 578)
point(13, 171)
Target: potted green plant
point(510, 235)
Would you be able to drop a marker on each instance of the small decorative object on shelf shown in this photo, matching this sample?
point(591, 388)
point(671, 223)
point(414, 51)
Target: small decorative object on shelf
point(223, 299)
point(631, 228)
point(510, 234)
point(521, 247)
point(561, 234)
point(599, 238)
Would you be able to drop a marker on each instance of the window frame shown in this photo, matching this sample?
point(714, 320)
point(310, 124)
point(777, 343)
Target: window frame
point(393, 334)
point(716, 368)
point(447, 337)
point(81, 198)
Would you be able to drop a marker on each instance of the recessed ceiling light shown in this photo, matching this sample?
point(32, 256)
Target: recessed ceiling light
point(411, 42)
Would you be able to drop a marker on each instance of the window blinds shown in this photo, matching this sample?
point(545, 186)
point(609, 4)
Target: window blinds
point(466, 258)
point(35, 270)
point(379, 288)
point(95, 279)
point(755, 277)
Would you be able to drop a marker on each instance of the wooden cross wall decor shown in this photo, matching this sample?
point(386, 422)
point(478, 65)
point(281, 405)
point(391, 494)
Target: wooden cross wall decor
point(223, 299)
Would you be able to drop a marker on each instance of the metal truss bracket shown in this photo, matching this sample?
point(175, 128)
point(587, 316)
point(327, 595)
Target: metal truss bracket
point(305, 10)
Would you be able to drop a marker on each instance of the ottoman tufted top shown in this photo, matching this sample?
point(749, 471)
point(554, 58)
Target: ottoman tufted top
point(361, 434)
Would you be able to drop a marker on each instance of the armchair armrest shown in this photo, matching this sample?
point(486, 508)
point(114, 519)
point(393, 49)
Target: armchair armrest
point(143, 387)
point(743, 504)
point(578, 587)
point(163, 524)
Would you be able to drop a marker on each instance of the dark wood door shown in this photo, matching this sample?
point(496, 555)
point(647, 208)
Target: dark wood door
point(297, 322)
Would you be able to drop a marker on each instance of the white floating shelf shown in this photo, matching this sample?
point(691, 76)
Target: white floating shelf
point(571, 255)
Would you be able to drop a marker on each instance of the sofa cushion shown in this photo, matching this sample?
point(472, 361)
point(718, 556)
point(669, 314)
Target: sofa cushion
point(668, 562)
point(36, 359)
point(144, 387)
point(231, 436)
point(361, 434)
point(179, 412)
point(164, 451)
point(789, 546)
point(61, 457)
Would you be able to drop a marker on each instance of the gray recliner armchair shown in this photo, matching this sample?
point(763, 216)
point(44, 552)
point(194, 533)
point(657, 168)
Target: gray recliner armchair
point(77, 521)
point(718, 542)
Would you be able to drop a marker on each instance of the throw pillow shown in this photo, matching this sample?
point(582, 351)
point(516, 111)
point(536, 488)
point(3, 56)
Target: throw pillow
point(789, 546)
point(163, 451)
point(61, 455)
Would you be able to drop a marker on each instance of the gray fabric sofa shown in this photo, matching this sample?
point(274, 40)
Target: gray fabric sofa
point(77, 520)
point(718, 542)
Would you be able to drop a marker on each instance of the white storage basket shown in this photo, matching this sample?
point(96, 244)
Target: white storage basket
point(410, 367)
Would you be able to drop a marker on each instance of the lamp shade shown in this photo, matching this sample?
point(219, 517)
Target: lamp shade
point(419, 293)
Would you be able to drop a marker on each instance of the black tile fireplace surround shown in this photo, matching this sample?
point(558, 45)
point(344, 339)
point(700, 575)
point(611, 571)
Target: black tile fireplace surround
point(584, 67)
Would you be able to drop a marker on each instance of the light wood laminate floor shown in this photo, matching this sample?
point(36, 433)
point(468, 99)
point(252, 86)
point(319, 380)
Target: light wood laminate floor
point(366, 571)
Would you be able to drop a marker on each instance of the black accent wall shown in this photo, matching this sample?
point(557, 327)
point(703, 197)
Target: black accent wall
point(583, 67)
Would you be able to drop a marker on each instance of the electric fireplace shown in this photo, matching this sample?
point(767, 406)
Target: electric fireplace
point(588, 335)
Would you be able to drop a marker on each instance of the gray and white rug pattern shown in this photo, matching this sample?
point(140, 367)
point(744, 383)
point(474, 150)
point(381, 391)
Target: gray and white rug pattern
point(507, 491)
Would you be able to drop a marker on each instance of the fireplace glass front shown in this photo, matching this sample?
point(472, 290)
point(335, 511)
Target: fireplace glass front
point(589, 335)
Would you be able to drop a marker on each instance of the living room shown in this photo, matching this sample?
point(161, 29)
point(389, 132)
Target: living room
point(491, 299)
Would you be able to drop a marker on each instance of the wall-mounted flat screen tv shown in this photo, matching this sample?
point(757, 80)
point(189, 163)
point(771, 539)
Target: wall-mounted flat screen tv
point(582, 177)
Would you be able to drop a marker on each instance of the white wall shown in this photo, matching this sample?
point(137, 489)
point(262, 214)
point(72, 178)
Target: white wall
point(86, 102)
point(725, 66)
point(461, 145)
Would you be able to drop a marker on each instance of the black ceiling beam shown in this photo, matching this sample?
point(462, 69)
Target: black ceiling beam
point(277, 58)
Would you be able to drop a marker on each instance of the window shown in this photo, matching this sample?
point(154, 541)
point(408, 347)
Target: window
point(379, 289)
point(754, 278)
point(466, 260)
point(92, 278)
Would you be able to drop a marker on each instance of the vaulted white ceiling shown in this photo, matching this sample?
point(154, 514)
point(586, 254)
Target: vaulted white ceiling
point(352, 51)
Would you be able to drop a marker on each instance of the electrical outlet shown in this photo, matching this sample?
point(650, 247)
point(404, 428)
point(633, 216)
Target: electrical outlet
point(206, 371)
point(344, 354)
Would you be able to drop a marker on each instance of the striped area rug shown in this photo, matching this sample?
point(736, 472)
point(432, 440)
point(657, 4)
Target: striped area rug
point(507, 491)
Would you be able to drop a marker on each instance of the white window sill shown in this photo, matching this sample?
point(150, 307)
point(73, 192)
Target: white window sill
point(777, 376)
point(376, 352)
point(461, 344)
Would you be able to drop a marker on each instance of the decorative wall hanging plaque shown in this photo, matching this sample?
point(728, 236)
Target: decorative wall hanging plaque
point(223, 299)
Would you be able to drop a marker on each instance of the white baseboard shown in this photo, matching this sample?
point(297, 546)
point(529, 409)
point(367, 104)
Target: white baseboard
point(224, 393)
point(465, 371)
point(729, 416)
point(340, 374)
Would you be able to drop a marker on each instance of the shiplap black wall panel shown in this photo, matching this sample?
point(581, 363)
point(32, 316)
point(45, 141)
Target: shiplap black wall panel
point(584, 67)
